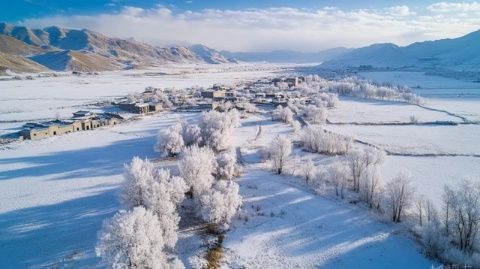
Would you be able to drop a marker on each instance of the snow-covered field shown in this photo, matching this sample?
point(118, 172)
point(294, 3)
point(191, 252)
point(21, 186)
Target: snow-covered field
point(55, 193)
point(49, 97)
point(297, 229)
point(412, 139)
point(355, 110)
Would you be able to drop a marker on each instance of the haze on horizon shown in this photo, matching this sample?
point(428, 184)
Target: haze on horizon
point(307, 26)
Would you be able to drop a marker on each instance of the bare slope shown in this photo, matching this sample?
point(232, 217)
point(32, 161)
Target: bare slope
point(18, 64)
point(76, 61)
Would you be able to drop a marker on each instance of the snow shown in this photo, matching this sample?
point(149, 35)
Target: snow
point(412, 139)
point(55, 193)
point(44, 98)
point(430, 174)
point(296, 229)
point(375, 111)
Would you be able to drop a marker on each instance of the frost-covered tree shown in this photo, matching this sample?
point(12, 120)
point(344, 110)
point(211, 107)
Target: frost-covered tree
point(279, 152)
point(337, 175)
point(163, 198)
point(399, 195)
point(283, 114)
point(308, 170)
point(359, 161)
point(425, 210)
point(315, 115)
point(157, 191)
point(220, 203)
point(170, 142)
point(227, 165)
point(139, 176)
point(315, 139)
point(133, 240)
point(464, 216)
point(216, 128)
point(191, 134)
point(371, 188)
point(197, 167)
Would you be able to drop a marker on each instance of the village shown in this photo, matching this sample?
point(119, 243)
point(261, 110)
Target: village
point(245, 96)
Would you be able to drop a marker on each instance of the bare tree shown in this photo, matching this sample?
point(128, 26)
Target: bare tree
point(399, 196)
point(337, 175)
point(464, 220)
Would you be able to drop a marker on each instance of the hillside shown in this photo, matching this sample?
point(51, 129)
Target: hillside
point(75, 61)
point(18, 64)
point(10, 45)
point(457, 54)
point(62, 49)
point(210, 55)
point(287, 56)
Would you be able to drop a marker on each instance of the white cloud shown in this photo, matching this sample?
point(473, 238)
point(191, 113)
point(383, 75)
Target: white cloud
point(400, 11)
point(448, 7)
point(272, 28)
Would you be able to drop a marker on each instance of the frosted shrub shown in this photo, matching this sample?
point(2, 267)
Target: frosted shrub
point(227, 165)
point(170, 142)
point(315, 139)
point(283, 114)
point(315, 115)
point(308, 170)
point(133, 240)
point(279, 152)
point(220, 203)
point(216, 128)
point(197, 167)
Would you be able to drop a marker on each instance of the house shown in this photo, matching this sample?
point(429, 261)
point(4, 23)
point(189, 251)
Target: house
point(82, 114)
point(213, 94)
point(46, 129)
point(82, 121)
point(155, 106)
point(137, 108)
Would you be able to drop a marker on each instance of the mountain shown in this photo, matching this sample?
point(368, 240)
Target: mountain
point(70, 60)
point(210, 55)
point(287, 56)
point(459, 54)
point(13, 46)
point(62, 49)
point(19, 64)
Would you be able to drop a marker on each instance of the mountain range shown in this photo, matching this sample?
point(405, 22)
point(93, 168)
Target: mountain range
point(23, 49)
point(288, 56)
point(457, 54)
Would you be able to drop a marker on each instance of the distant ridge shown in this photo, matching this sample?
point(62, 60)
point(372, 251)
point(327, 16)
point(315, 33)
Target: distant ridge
point(456, 54)
point(287, 56)
point(62, 49)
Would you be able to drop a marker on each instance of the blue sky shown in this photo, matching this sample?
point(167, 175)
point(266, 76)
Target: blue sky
point(255, 25)
point(14, 11)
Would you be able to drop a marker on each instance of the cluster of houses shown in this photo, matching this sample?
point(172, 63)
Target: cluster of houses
point(260, 93)
point(81, 121)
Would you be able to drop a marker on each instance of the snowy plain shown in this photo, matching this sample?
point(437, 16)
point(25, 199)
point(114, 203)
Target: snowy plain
point(48, 97)
point(55, 193)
